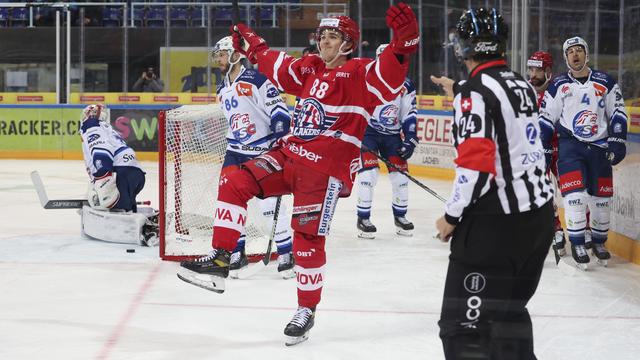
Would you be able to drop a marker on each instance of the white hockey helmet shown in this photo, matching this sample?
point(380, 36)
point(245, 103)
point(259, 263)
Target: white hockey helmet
point(576, 40)
point(99, 111)
point(380, 49)
point(226, 43)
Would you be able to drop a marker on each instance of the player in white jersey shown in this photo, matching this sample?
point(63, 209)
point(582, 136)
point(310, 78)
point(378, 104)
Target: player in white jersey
point(586, 108)
point(116, 178)
point(257, 117)
point(391, 133)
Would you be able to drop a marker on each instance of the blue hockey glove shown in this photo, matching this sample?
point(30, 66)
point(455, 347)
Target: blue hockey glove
point(406, 150)
point(617, 150)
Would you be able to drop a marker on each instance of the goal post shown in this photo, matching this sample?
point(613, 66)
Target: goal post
point(192, 146)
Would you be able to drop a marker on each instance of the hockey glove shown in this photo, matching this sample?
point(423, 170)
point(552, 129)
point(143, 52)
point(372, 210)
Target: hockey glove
point(406, 150)
point(103, 194)
point(548, 158)
point(247, 42)
point(406, 34)
point(617, 150)
point(280, 126)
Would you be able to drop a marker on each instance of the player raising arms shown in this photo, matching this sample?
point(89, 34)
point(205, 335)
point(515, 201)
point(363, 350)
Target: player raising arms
point(317, 162)
point(257, 117)
point(392, 134)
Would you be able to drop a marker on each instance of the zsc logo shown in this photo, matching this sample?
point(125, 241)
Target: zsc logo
point(585, 124)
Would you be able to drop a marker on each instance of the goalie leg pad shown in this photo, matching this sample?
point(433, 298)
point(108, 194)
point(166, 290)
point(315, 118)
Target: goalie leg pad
point(310, 257)
point(117, 227)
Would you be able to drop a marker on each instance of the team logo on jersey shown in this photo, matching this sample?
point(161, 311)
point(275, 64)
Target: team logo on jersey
point(585, 124)
point(388, 116)
point(600, 90)
point(244, 89)
point(532, 133)
point(241, 126)
point(93, 138)
point(310, 119)
point(273, 92)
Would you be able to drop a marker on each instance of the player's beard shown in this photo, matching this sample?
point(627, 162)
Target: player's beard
point(536, 81)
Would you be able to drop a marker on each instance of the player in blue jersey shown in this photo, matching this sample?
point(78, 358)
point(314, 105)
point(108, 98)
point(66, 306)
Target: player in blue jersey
point(116, 178)
point(257, 116)
point(586, 108)
point(392, 134)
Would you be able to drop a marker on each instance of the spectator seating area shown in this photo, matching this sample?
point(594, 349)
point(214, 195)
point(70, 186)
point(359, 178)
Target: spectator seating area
point(145, 14)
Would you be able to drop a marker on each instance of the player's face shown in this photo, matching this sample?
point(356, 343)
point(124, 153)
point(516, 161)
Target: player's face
point(330, 41)
point(221, 60)
point(576, 57)
point(536, 76)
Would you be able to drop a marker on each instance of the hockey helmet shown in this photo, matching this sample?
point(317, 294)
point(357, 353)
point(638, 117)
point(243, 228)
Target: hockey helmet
point(540, 59)
point(226, 44)
point(481, 32)
point(96, 111)
point(344, 24)
point(576, 40)
point(380, 49)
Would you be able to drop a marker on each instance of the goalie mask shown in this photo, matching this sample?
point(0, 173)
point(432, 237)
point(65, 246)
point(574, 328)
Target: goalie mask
point(96, 111)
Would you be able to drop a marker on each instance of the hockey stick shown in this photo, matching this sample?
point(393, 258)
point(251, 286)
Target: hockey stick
point(266, 258)
point(396, 168)
point(63, 203)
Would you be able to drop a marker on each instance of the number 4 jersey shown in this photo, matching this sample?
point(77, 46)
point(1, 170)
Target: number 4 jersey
point(587, 111)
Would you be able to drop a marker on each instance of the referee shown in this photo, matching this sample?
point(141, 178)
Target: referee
point(500, 215)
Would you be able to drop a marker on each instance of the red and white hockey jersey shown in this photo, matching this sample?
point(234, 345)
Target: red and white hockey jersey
point(335, 104)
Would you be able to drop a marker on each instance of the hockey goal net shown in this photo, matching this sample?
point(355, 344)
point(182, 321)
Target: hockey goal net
point(192, 146)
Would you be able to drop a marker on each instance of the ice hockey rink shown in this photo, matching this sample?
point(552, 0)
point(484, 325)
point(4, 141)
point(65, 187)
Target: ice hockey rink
point(64, 297)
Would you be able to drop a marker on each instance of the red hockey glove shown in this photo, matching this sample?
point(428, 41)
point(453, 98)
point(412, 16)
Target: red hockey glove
point(406, 34)
point(247, 42)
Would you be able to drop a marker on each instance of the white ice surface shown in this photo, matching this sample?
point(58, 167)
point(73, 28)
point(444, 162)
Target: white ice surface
point(64, 297)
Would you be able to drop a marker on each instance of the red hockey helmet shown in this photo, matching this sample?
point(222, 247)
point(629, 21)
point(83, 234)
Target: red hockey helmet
point(344, 24)
point(540, 59)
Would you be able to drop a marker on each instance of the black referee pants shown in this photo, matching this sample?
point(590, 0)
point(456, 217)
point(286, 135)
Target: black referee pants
point(494, 269)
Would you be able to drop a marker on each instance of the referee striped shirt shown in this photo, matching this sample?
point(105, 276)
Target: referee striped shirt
point(500, 164)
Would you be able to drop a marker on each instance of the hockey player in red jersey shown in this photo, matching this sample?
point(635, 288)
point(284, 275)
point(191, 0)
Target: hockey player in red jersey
point(318, 160)
point(540, 71)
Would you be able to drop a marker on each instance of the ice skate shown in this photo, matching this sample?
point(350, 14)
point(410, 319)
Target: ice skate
point(601, 253)
point(579, 253)
point(285, 265)
point(559, 242)
point(238, 261)
point(404, 227)
point(208, 272)
point(297, 330)
point(366, 229)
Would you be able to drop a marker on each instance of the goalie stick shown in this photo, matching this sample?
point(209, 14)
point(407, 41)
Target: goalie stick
point(415, 181)
point(266, 258)
point(62, 203)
